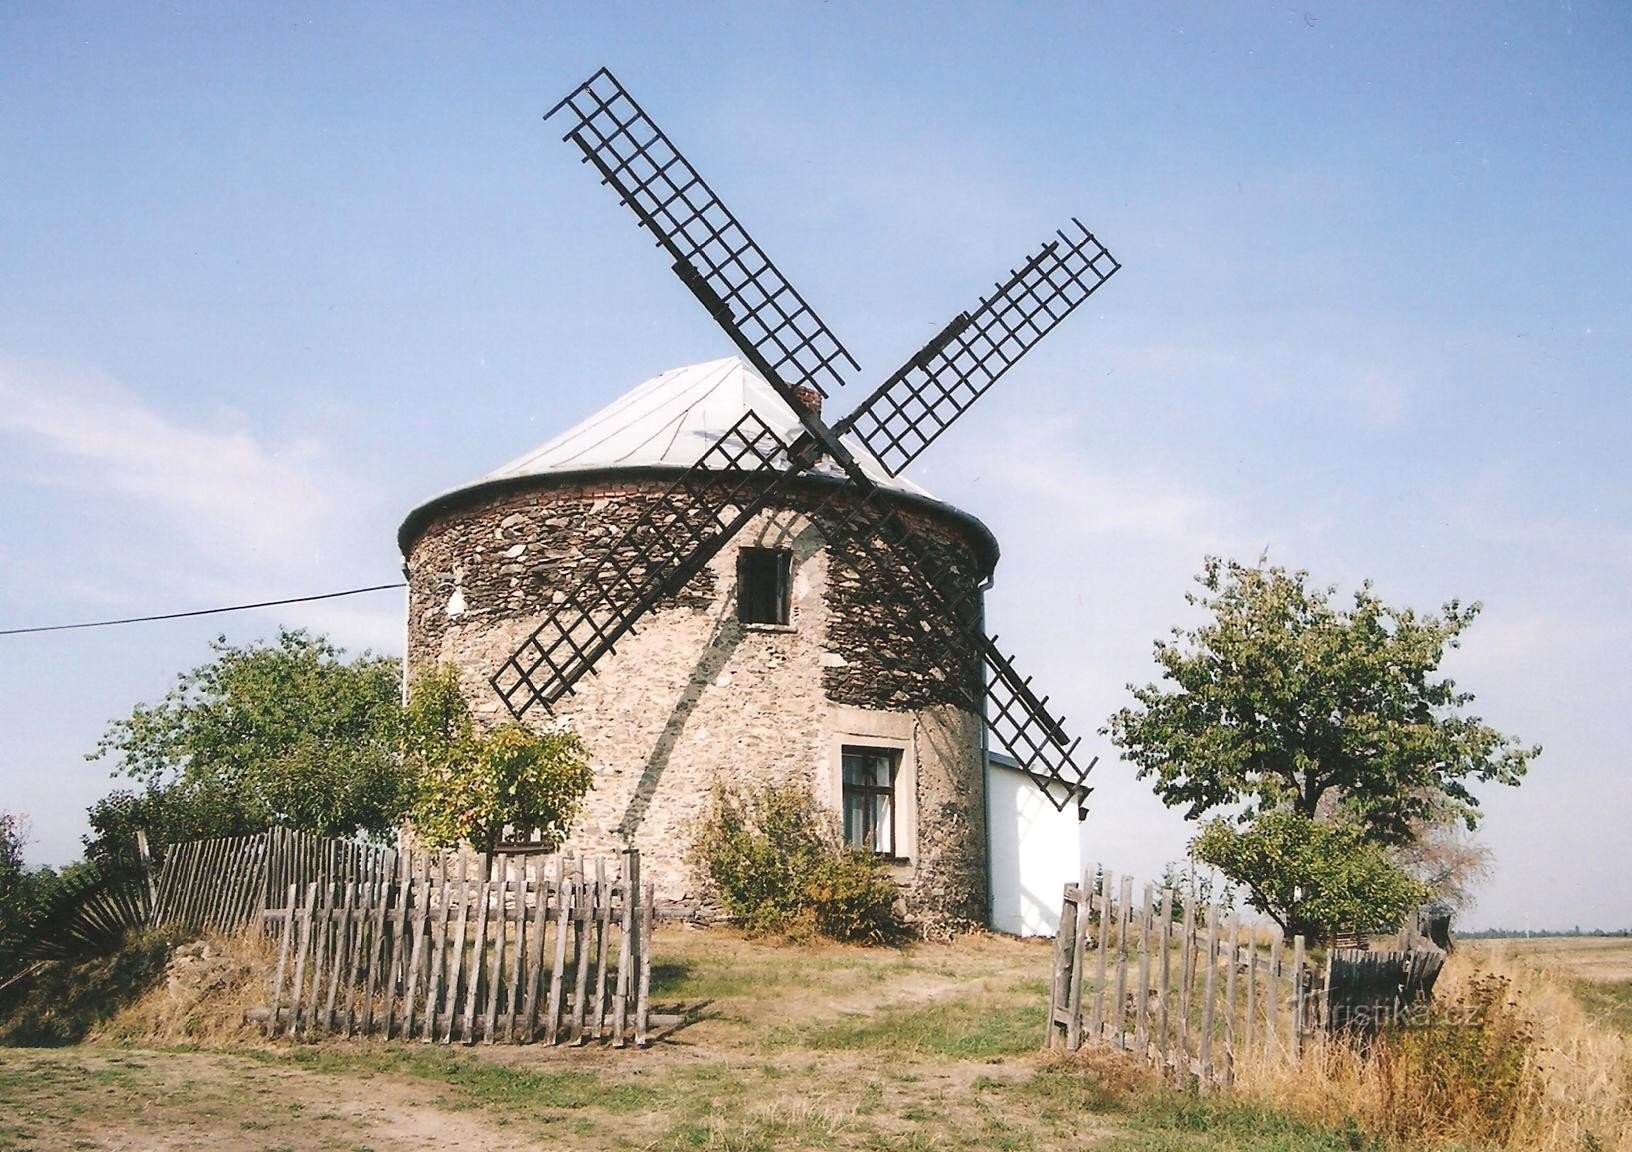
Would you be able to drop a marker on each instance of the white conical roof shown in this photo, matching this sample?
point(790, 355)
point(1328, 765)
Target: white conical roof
point(671, 421)
point(667, 424)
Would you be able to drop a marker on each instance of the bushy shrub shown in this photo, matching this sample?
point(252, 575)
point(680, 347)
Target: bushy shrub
point(1467, 1074)
point(852, 899)
point(774, 859)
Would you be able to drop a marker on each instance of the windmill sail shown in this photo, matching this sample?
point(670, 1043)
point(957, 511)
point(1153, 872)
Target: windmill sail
point(784, 339)
point(713, 254)
point(906, 413)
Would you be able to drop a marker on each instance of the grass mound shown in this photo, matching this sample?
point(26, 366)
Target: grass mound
point(63, 1001)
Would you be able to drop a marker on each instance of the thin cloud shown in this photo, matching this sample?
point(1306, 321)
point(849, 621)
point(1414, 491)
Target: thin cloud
point(225, 489)
point(216, 514)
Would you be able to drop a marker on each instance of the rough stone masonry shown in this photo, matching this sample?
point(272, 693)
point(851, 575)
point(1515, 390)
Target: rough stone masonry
point(695, 696)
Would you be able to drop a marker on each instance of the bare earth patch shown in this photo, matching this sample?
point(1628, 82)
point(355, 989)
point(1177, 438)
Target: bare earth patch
point(111, 1099)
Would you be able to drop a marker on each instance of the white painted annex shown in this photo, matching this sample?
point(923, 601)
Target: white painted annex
point(1036, 849)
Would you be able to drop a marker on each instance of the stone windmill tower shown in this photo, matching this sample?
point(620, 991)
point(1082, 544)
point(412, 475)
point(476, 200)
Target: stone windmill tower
point(777, 662)
point(709, 582)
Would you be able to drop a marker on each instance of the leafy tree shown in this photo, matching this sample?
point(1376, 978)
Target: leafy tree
point(24, 895)
point(169, 813)
point(289, 734)
point(1284, 700)
point(16, 899)
point(471, 787)
point(1313, 877)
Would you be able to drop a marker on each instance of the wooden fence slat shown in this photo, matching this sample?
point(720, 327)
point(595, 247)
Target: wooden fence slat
point(169, 870)
point(339, 933)
point(300, 958)
point(1123, 919)
point(1072, 914)
point(552, 1019)
point(1187, 949)
point(603, 944)
point(283, 960)
point(539, 913)
point(395, 953)
point(1229, 995)
point(195, 890)
point(643, 924)
point(1251, 1030)
point(189, 909)
point(490, 1016)
point(1209, 986)
point(383, 890)
point(581, 906)
point(1272, 1030)
point(1141, 1019)
point(1297, 997)
point(436, 948)
point(1059, 968)
point(358, 917)
point(416, 903)
point(1079, 957)
point(518, 952)
point(620, 997)
point(1106, 880)
point(1165, 967)
point(478, 951)
point(456, 955)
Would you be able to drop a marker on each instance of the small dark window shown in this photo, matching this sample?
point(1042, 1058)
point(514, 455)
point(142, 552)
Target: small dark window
point(763, 585)
point(869, 798)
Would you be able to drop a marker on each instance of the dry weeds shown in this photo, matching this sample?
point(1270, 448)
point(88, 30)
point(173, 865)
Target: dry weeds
point(1577, 1072)
point(209, 985)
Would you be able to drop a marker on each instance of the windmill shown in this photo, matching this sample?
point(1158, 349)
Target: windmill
point(781, 336)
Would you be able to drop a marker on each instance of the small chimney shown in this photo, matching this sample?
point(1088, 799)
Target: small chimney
point(810, 398)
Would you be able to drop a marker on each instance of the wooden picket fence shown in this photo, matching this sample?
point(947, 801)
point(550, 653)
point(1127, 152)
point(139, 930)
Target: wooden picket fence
point(1186, 984)
point(224, 884)
point(535, 948)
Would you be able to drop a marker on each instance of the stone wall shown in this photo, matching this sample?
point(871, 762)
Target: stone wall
point(695, 696)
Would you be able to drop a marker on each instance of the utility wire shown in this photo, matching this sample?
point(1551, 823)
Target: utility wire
point(198, 611)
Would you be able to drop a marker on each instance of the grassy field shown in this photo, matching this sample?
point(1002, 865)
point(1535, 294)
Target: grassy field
point(1598, 969)
point(928, 1047)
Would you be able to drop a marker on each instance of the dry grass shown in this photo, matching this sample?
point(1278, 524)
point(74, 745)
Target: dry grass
point(208, 986)
point(920, 1047)
point(1544, 1076)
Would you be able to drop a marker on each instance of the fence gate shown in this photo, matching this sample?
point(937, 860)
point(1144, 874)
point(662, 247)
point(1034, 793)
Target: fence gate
point(1181, 982)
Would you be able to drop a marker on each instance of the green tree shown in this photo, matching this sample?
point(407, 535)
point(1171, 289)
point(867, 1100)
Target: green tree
point(290, 733)
point(1313, 877)
point(473, 787)
point(25, 895)
point(1287, 700)
point(16, 896)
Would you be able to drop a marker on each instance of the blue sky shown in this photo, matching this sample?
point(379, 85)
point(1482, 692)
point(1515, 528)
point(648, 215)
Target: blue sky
point(270, 276)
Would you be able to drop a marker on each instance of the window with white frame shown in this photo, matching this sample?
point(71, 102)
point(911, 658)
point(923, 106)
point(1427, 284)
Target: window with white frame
point(869, 798)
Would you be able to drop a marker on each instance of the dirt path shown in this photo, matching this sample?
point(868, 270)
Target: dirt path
point(90, 1098)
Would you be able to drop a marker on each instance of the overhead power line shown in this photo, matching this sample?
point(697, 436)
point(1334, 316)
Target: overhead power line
point(199, 611)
